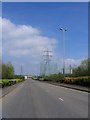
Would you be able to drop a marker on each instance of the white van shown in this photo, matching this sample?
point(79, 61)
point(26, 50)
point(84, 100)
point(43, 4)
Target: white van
point(25, 77)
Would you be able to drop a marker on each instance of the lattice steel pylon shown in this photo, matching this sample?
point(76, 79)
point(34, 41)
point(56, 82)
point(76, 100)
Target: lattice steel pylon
point(21, 70)
point(47, 58)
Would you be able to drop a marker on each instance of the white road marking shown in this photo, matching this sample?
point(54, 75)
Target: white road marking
point(61, 99)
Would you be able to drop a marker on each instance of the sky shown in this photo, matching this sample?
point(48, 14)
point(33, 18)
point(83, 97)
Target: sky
point(45, 0)
point(0, 34)
point(28, 29)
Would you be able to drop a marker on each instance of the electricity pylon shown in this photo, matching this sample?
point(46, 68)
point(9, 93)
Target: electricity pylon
point(47, 58)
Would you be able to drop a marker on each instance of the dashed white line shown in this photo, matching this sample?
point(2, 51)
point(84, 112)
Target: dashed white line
point(61, 99)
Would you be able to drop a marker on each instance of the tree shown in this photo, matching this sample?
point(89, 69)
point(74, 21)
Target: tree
point(7, 70)
point(83, 69)
point(0, 69)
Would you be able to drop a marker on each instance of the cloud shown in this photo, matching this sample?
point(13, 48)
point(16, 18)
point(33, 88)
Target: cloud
point(28, 44)
point(25, 42)
point(69, 62)
point(73, 62)
point(21, 40)
point(0, 39)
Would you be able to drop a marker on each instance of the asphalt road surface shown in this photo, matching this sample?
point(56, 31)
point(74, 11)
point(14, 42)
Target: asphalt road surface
point(34, 99)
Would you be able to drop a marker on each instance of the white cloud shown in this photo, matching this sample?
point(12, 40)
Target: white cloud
point(24, 42)
point(0, 39)
point(69, 62)
point(73, 62)
point(28, 44)
point(19, 40)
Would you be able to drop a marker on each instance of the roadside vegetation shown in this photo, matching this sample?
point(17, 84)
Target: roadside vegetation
point(80, 75)
point(8, 75)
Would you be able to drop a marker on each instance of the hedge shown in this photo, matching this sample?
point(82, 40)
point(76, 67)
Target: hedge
point(9, 82)
point(78, 80)
point(83, 80)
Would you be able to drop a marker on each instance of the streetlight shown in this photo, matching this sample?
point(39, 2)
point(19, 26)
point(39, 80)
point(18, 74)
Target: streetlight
point(63, 30)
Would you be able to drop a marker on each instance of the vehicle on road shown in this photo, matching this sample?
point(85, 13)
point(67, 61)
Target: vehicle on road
point(25, 77)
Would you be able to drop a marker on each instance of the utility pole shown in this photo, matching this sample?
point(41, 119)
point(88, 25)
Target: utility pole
point(63, 32)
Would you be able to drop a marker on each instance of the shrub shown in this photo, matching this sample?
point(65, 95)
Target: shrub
point(85, 81)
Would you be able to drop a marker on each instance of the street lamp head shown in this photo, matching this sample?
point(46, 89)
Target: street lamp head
point(61, 29)
point(66, 29)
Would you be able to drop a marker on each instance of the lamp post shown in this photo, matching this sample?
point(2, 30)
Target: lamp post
point(63, 32)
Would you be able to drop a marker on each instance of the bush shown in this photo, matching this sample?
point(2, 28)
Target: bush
point(7, 71)
point(54, 78)
point(9, 82)
point(85, 81)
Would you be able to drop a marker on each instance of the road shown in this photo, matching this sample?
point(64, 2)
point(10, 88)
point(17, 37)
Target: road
point(35, 99)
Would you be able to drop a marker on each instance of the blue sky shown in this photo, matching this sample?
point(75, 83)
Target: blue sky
point(46, 18)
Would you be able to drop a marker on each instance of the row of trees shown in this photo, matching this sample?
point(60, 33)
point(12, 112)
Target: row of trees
point(80, 75)
point(0, 69)
point(83, 69)
point(7, 71)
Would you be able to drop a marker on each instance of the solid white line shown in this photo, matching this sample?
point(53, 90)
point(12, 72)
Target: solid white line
point(61, 99)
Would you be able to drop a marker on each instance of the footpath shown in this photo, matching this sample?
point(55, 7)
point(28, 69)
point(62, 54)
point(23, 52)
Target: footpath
point(71, 86)
point(4, 91)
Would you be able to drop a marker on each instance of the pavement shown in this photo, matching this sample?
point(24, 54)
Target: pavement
point(35, 99)
point(71, 86)
point(8, 89)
